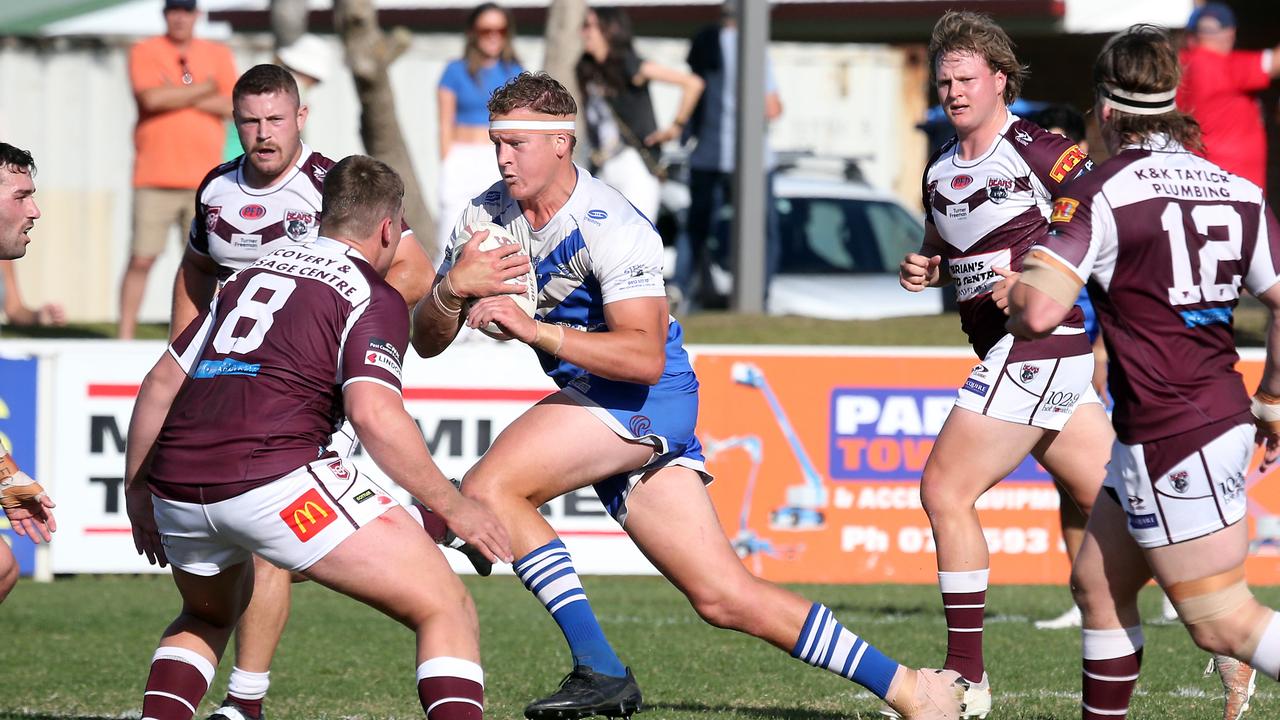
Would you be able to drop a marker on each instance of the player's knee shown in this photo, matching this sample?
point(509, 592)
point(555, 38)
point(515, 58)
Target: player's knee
point(1092, 593)
point(941, 497)
point(1219, 612)
point(724, 603)
point(8, 574)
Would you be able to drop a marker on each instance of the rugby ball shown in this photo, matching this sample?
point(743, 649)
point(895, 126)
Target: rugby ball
point(499, 236)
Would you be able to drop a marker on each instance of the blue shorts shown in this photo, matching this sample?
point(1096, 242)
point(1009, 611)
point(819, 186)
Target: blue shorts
point(662, 415)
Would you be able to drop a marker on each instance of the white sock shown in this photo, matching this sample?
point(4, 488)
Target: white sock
point(1267, 657)
point(248, 685)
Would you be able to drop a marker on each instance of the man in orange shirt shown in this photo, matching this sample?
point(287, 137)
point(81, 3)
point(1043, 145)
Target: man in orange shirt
point(183, 89)
point(1220, 87)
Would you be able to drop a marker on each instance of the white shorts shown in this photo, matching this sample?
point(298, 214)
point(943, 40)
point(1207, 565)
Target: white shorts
point(1182, 487)
point(292, 522)
point(1043, 392)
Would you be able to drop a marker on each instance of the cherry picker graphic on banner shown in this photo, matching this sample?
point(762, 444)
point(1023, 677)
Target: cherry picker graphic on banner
point(805, 500)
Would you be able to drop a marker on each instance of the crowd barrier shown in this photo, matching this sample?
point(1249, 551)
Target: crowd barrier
point(817, 455)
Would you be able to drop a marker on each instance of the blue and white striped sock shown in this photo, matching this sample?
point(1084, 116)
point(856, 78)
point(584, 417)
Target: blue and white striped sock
point(548, 573)
point(825, 643)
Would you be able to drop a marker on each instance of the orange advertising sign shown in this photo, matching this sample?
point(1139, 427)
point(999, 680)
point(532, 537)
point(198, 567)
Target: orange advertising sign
point(817, 459)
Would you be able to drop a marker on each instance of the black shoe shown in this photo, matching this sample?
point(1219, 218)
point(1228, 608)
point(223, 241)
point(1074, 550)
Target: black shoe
point(585, 692)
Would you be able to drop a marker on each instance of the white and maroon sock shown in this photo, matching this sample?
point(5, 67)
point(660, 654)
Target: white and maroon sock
point(179, 679)
point(1112, 659)
point(451, 689)
point(964, 602)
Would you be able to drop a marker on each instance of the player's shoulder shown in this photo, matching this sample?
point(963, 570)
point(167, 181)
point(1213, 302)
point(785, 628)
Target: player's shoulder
point(602, 213)
point(946, 149)
point(220, 171)
point(1034, 142)
point(1093, 183)
point(315, 166)
point(1049, 154)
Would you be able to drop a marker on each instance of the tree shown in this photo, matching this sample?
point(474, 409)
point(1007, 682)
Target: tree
point(288, 21)
point(369, 53)
point(564, 41)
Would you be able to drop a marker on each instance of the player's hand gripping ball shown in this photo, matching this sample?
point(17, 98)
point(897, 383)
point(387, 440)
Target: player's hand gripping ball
point(527, 301)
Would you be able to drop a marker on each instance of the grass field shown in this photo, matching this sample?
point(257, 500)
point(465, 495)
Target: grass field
point(79, 648)
point(732, 329)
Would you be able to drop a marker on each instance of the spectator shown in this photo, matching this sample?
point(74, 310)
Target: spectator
point(1220, 87)
point(17, 312)
point(466, 155)
point(183, 89)
point(713, 56)
point(309, 60)
point(624, 133)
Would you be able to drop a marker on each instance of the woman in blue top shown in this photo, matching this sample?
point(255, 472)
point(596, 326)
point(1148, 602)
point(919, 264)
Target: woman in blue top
point(466, 155)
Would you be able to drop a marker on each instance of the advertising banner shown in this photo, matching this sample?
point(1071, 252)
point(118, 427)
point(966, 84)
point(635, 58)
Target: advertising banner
point(18, 418)
point(818, 460)
point(460, 401)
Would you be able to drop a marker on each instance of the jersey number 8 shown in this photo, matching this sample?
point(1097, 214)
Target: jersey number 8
point(261, 313)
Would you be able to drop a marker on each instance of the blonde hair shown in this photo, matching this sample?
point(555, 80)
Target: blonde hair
point(977, 34)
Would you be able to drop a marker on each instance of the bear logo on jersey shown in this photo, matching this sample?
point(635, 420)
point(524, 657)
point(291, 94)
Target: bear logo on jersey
point(998, 189)
point(1029, 373)
point(1179, 480)
point(297, 223)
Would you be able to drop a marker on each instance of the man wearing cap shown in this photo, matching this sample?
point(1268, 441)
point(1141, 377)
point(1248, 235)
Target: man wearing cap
point(183, 89)
point(622, 421)
point(1220, 87)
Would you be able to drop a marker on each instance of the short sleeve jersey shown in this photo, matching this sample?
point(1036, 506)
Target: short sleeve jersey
point(176, 147)
point(1221, 93)
point(235, 224)
point(596, 250)
point(1165, 240)
point(990, 210)
point(266, 365)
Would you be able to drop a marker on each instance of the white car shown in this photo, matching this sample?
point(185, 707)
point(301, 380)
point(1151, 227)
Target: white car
point(842, 241)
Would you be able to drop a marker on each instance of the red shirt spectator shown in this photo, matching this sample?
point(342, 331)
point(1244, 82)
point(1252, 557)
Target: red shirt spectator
point(1219, 89)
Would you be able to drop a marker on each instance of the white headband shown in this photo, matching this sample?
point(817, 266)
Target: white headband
point(1139, 103)
point(533, 125)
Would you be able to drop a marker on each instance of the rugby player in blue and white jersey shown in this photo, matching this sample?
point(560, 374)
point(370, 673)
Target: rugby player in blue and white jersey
point(622, 422)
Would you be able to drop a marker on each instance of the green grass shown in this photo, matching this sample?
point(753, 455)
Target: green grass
point(80, 648)
point(722, 328)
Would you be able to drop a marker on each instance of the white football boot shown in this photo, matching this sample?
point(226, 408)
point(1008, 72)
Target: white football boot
point(1238, 682)
point(1065, 621)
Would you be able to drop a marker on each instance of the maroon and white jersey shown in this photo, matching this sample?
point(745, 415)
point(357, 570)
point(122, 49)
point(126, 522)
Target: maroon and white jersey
point(990, 210)
point(1165, 239)
point(236, 224)
point(266, 365)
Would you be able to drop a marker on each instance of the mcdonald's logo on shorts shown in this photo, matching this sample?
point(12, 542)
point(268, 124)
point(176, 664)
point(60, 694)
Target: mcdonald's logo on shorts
point(308, 515)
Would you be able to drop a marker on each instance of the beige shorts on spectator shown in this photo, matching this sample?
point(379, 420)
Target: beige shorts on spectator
point(155, 211)
point(1043, 393)
point(292, 522)
point(1201, 494)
